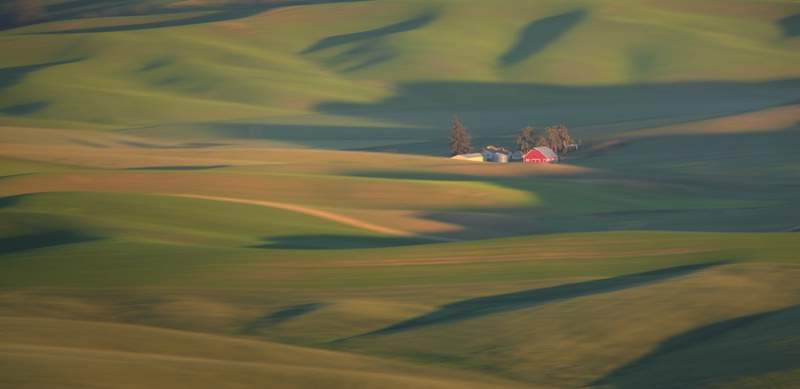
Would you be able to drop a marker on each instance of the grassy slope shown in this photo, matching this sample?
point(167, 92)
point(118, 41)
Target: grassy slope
point(574, 334)
point(315, 297)
point(102, 249)
point(96, 355)
point(128, 256)
point(574, 304)
point(284, 61)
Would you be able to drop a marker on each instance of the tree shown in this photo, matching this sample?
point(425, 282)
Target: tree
point(558, 139)
point(542, 142)
point(526, 139)
point(460, 141)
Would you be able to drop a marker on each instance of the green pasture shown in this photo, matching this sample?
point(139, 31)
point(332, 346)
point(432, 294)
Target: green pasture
point(130, 356)
point(106, 239)
point(170, 219)
point(221, 65)
point(604, 331)
point(610, 308)
point(337, 247)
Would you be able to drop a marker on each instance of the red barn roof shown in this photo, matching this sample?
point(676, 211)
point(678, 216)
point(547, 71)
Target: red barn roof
point(541, 155)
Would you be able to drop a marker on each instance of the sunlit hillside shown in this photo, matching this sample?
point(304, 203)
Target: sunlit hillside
point(253, 194)
point(140, 64)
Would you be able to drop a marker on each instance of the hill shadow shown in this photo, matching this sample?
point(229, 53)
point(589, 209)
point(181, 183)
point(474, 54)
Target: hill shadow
point(8, 176)
point(490, 305)
point(368, 49)
point(485, 107)
point(209, 18)
point(14, 75)
point(281, 316)
point(220, 13)
point(338, 40)
point(77, 8)
point(420, 113)
point(753, 340)
point(25, 109)
point(41, 240)
point(155, 64)
point(539, 34)
point(10, 201)
point(338, 137)
point(337, 242)
point(790, 26)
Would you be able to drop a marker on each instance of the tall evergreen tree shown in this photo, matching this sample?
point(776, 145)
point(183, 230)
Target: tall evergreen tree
point(460, 141)
point(526, 139)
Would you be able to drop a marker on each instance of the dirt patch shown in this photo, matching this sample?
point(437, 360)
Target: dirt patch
point(318, 213)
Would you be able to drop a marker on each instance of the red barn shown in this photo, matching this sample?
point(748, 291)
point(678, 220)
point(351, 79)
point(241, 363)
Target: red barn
point(541, 155)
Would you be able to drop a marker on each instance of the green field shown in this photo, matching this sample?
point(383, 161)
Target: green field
point(243, 194)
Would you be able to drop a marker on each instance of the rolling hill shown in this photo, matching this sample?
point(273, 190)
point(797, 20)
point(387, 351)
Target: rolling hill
point(262, 70)
point(214, 193)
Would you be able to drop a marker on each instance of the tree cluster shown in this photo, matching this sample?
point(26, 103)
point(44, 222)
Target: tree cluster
point(554, 137)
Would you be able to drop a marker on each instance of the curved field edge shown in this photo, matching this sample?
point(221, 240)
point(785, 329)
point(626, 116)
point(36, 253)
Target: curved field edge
point(99, 355)
point(593, 327)
point(139, 262)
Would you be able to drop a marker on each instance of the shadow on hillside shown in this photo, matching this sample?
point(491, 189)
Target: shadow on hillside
point(13, 75)
point(24, 109)
point(76, 9)
point(337, 242)
point(9, 176)
point(790, 26)
point(208, 18)
point(10, 201)
point(404, 26)
point(491, 110)
point(155, 64)
point(219, 13)
point(539, 34)
point(327, 137)
point(368, 50)
point(749, 346)
point(748, 174)
point(759, 155)
point(493, 113)
point(559, 104)
point(281, 316)
point(485, 306)
point(42, 240)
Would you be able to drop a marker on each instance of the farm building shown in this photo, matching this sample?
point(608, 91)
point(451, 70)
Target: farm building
point(541, 155)
point(469, 157)
point(492, 154)
point(500, 158)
